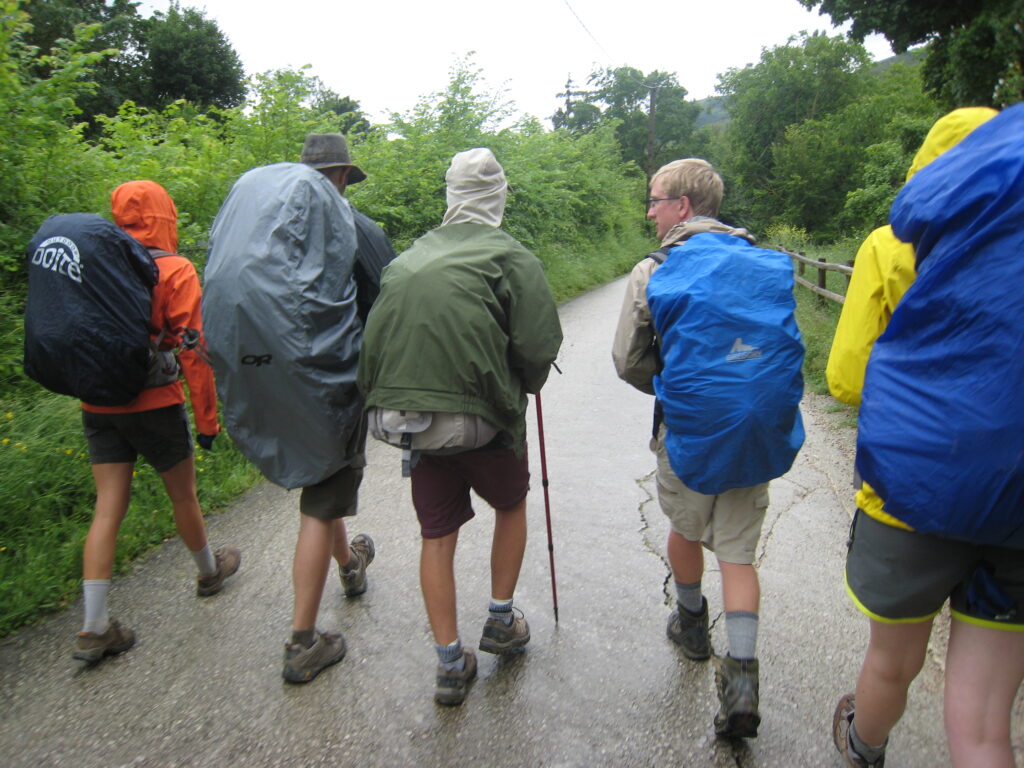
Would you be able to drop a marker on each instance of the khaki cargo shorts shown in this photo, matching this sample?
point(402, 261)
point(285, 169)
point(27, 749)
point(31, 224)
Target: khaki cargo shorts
point(729, 524)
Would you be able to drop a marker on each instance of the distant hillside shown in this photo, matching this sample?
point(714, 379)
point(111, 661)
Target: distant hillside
point(712, 110)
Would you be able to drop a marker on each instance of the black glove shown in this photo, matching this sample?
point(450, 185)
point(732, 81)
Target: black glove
point(205, 441)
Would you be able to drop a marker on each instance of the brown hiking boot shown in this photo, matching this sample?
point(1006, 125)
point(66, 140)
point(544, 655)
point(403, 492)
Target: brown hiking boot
point(354, 581)
point(737, 682)
point(842, 719)
point(90, 647)
point(499, 638)
point(303, 664)
point(690, 632)
point(452, 684)
point(228, 559)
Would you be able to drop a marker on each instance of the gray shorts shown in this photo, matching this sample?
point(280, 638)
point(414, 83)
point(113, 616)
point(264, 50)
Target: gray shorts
point(338, 495)
point(898, 576)
point(161, 436)
point(729, 524)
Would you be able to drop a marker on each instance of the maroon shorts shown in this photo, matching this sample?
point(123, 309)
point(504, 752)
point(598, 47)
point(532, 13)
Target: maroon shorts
point(441, 486)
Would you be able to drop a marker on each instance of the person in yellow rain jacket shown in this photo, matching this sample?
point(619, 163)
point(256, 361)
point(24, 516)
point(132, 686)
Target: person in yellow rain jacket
point(901, 622)
point(883, 270)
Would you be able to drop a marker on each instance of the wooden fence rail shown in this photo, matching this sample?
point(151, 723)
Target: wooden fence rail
point(823, 267)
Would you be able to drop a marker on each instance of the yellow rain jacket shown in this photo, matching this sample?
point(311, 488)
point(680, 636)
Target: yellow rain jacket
point(883, 270)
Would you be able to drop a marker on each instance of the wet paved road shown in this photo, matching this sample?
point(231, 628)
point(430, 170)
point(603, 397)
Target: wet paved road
point(602, 688)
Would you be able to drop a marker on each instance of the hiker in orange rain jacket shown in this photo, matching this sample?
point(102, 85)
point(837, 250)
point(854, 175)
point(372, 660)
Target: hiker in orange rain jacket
point(154, 424)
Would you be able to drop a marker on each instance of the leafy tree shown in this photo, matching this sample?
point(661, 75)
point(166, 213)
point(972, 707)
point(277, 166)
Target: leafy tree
point(809, 78)
point(189, 58)
point(46, 166)
point(121, 32)
point(976, 52)
point(819, 163)
point(654, 123)
point(350, 118)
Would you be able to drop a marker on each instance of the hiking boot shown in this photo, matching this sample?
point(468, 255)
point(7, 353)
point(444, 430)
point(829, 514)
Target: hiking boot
point(228, 559)
point(737, 691)
point(354, 581)
point(498, 638)
point(90, 647)
point(452, 684)
point(303, 664)
point(841, 722)
point(690, 632)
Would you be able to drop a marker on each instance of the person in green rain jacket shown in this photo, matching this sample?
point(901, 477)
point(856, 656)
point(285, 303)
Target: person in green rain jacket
point(465, 324)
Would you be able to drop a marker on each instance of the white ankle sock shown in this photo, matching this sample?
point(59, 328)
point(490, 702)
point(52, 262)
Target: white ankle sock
point(205, 561)
point(96, 618)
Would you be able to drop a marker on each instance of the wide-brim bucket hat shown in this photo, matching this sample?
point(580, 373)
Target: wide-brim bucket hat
point(330, 150)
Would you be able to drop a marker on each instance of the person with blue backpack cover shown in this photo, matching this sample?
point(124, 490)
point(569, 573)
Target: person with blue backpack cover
point(707, 326)
point(940, 448)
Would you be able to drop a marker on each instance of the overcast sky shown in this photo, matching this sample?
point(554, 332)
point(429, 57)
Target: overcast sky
point(387, 55)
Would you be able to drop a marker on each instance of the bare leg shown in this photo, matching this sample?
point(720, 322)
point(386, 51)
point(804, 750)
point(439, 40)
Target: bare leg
point(894, 657)
point(437, 580)
point(984, 669)
point(741, 590)
point(180, 483)
point(686, 558)
point(341, 550)
point(309, 569)
point(508, 546)
point(113, 492)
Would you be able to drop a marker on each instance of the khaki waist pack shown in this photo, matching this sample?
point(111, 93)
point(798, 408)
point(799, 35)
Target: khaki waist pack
point(431, 432)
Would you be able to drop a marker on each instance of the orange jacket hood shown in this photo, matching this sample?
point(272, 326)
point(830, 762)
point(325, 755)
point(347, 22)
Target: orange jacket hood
point(145, 211)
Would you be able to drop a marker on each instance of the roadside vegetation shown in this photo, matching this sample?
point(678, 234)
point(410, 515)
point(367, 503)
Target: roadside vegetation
point(813, 142)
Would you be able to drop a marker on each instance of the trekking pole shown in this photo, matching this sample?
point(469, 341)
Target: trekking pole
point(547, 501)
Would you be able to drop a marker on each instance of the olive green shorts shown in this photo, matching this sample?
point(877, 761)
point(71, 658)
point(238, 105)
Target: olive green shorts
point(729, 524)
point(338, 495)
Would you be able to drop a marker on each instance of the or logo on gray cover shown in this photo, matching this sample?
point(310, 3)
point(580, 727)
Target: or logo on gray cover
point(257, 360)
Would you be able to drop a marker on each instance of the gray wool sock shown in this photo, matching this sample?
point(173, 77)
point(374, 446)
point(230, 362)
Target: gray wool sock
point(741, 628)
point(870, 754)
point(689, 596)
point(501, 610)
point(95, 593)
point(451, 656)
point(205, 561)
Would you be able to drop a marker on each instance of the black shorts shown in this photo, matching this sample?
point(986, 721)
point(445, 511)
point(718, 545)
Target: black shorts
point(898, 576)
point(441, 486)
point(161, 436)
point(338, 495)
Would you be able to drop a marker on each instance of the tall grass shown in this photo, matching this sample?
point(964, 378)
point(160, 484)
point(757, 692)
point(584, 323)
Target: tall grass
point(46, 507)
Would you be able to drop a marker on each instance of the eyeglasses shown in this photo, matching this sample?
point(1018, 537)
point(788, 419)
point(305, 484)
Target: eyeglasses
point(652, 200)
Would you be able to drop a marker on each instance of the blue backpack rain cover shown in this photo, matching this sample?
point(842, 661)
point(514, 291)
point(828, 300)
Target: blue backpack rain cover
point(731, 380)
point(941, 425)
point(90, 287)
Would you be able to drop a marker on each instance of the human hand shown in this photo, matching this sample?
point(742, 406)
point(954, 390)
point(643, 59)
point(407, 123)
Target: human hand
point(205, 441)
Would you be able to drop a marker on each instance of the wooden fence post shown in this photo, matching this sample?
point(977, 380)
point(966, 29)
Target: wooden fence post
point(822, 274)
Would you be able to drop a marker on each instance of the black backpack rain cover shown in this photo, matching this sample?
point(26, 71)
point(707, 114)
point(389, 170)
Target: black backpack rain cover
point(279, 316)
point(87, 316)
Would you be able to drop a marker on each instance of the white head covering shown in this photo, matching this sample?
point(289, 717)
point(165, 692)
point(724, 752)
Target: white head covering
point(476, 189)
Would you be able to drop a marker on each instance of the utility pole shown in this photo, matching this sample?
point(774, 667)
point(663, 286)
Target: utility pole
point(653, 100)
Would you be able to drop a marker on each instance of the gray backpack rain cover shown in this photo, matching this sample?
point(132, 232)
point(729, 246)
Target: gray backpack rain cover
point(279, 313)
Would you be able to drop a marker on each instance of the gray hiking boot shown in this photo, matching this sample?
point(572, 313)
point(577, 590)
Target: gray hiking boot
point(690, 632)
point(499, 638)
point(228, 559)
point(303, 664)
point(354, 581)
point(737, 682)
point(842, 719)
point(452, 684)
point(90, 647)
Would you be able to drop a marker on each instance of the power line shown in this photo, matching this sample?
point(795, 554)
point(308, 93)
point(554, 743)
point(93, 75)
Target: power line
point(607, 55)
